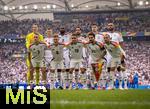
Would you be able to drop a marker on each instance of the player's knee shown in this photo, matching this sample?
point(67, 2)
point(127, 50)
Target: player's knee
point(44, 70)
point(71, 70)
point(122, 61)
point(118, 68)
point(108, 69)
point(52, 70)
point(83, 70)
point(67, 70)
point(31, 70)
point(37, 69)
point(63, 70)
point(112, 69)
point(76, 70)
point(59, 70)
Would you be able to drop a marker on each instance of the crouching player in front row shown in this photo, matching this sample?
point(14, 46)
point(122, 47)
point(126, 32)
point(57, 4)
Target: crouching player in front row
point(117, 54)
point(37, 62)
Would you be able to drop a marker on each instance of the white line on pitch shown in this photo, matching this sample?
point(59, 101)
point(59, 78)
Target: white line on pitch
point(101, 102)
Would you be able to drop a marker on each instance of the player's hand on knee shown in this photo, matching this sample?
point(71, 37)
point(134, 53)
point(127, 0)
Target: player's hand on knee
point(31, 66)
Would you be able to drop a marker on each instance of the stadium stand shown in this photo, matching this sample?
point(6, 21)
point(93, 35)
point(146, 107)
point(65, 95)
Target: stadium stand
point(129, 23)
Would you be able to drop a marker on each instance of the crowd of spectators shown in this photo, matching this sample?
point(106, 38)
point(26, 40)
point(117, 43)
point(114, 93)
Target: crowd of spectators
point(12, 69)
point(125, 22)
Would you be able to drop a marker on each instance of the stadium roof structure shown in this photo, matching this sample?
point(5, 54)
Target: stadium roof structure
point(10, 7)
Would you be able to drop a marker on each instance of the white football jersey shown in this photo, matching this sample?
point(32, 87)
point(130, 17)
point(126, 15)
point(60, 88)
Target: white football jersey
point(57, 52)
point(94, 51)
point(64, 38)
point(115, 36)
point(114, 49)
point(48, 42)
point(37, 51)
point(76, 50)
point(99, 37)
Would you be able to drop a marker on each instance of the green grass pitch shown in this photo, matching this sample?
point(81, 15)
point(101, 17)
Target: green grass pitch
point(99, 99)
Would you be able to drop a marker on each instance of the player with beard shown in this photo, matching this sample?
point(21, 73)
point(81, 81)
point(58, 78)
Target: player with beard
point(99, 37)
point(81, 38)
point(79, 35)
point(65, 38)
point(97, 52)
point(117, 37)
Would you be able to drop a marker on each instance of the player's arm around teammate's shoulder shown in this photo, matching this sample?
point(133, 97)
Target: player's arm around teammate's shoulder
point(102, 48)
point(67, 44)
point(120, 38)
point(115, 44)
point(41, 37)
point(85, 43)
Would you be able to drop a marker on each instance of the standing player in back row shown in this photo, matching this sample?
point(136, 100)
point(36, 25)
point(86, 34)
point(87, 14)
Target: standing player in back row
point(48, 55)
point(29, 41)
point(65, 38)
point(48, 40)
point(98, 35)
